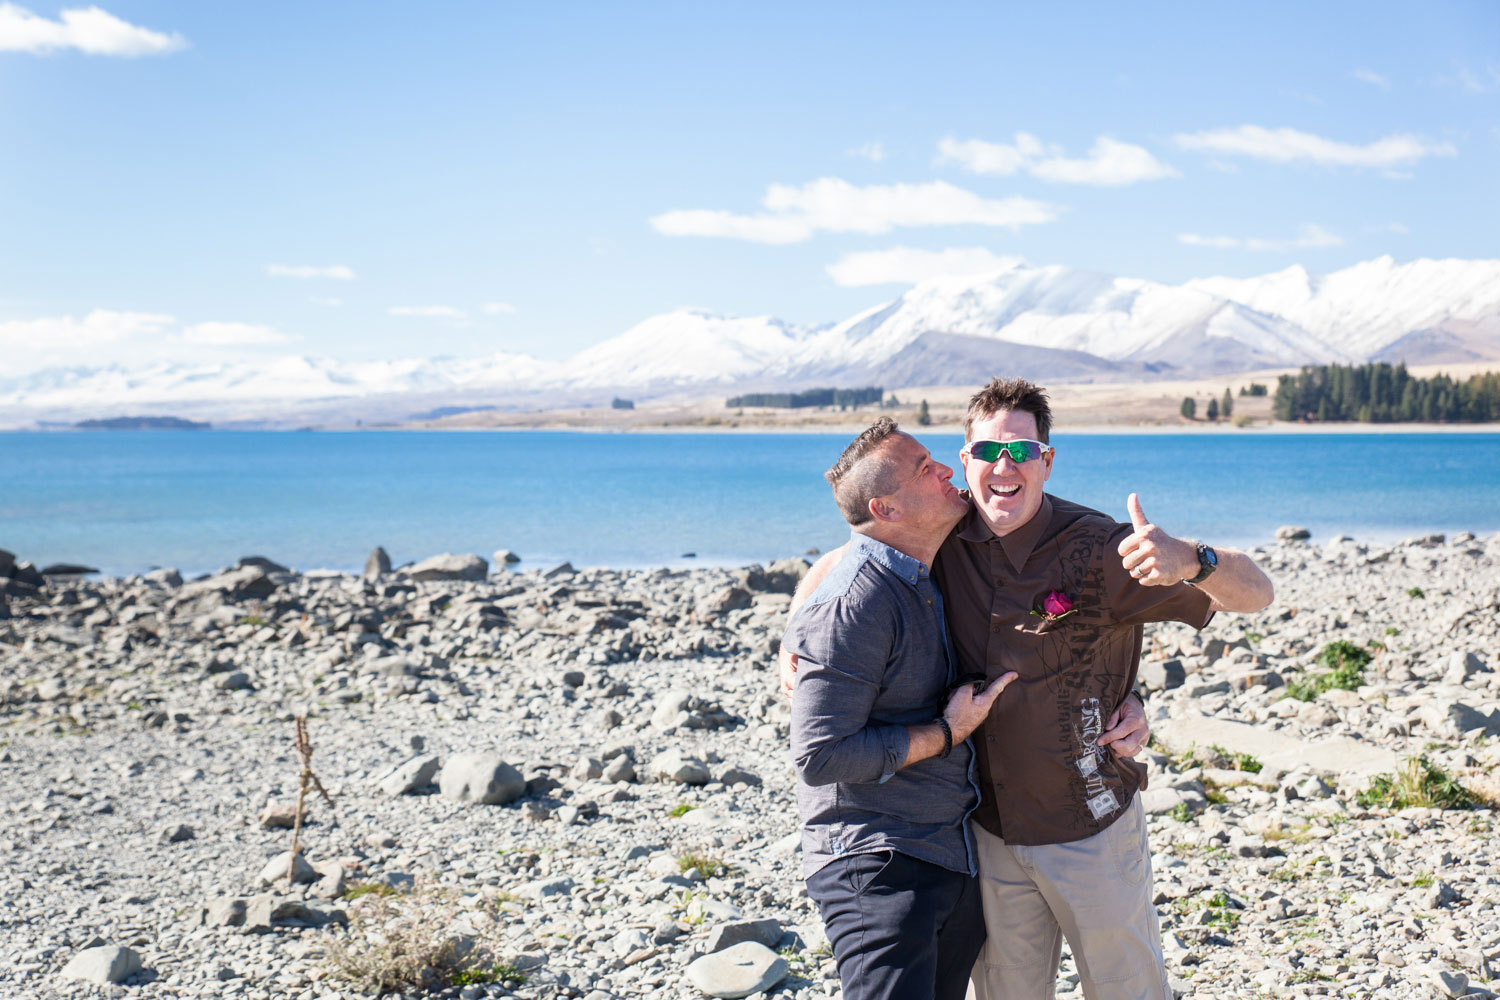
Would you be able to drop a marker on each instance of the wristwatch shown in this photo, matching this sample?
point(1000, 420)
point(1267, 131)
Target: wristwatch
point(1208, 561)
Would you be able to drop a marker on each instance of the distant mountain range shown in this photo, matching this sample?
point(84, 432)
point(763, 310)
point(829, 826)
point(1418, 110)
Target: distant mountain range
point(1049, 323)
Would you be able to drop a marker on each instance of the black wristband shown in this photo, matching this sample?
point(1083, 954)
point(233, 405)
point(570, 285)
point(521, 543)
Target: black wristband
point(947, 736)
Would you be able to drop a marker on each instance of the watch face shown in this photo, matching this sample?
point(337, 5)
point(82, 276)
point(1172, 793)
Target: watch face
point(1210, 557)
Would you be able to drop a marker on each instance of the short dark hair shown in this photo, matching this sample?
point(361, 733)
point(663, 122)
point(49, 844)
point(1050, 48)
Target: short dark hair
point(1010, 394)
point(859, 477)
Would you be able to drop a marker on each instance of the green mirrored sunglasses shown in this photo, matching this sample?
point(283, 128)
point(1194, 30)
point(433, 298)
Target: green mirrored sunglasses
point(1020, 450)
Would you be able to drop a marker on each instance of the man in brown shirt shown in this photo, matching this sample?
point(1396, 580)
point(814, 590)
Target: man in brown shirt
point(1059, 593)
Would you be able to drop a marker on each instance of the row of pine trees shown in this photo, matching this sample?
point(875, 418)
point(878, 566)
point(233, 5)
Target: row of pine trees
point(1380, 393)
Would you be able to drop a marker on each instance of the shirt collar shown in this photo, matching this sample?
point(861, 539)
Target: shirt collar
point(1019, 544)
point(898, 562)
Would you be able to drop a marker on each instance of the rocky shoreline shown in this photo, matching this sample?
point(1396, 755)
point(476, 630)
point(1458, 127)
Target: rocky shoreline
point(587, 773)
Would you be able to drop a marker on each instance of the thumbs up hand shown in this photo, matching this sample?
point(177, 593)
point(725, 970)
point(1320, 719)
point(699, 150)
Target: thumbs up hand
point(1152, 556)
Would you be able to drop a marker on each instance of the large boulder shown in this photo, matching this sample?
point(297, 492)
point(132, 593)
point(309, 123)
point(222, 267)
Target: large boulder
point(673, 766)
point(746, 968)
point(103, 965)
point(378, 565)
point(247, 583)
point(449, 566)
point(482, 777)
point(408, 777)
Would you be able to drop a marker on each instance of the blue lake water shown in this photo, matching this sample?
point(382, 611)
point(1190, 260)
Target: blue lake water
point(128, 501)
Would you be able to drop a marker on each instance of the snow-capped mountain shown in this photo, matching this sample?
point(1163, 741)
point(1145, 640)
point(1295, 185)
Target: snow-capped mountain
point(1050, 323)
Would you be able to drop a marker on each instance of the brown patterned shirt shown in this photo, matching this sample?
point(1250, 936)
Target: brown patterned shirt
point(1043, 778)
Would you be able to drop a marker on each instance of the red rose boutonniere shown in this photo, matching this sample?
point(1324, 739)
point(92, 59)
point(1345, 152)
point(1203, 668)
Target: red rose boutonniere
point(1055, 606)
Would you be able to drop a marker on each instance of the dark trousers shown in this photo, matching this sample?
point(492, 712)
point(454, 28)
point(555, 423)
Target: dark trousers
point(901, 929)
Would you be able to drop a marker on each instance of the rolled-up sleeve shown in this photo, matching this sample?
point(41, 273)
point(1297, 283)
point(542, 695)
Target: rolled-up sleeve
point(840, 670)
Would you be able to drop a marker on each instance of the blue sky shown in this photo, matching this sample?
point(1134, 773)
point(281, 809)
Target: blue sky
point(201, 181)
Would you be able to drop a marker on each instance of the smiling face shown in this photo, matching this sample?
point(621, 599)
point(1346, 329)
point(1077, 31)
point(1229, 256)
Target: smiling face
point(1007, 494)
point(927, 499)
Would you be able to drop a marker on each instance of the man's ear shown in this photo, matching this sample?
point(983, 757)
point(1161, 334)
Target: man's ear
point(1047, 458)
point(882, 509)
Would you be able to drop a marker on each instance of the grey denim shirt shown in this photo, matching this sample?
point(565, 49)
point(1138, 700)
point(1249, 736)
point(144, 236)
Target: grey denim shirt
point(873, 658)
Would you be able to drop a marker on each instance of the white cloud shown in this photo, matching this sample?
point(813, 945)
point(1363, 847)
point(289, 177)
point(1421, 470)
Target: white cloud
point(1309, 237)
point(1287, 145)
point(872, 151)
point(89, 29)
point(107, 336)
point(794, 214)
point(338, 271)
point(1475, 82)
point(430, 312)
point(64, 333)
point(1218, 242)
point(219, 334)
point(498, 308)
point(907, 266)
point(1110, 163)
point(1373, 78)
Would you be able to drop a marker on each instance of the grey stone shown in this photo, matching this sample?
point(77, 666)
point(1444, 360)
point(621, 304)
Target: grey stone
point(722, 602)
point(410, 776)
point(176, 833)
point(766, 931)
point(1161, 675)
point(547, 887)
point(672, 765)
point(561, 569)
point(261, 563)
point(505, 557)
point(275, 870)
point(783, 575)
point(1459, 666)
point(622, 768)
point(739, 971)
point(167, 577)
point(588, 768)
point(377, 565)
point(670, 707)
point(227, 911)
point(1453, 719)
point(235, 681)
point(738, 776)
point(1292, 533)
point(103, 965)
point(481, 777)
point(450, 566)
point(247, 583)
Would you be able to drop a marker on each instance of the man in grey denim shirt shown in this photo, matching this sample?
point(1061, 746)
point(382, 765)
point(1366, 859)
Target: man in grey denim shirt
point(884, 773)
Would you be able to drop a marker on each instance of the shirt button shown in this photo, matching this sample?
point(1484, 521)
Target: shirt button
point(995, 629)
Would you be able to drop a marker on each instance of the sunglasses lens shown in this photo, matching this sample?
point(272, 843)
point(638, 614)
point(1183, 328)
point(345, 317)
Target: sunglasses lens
point(1019, 451)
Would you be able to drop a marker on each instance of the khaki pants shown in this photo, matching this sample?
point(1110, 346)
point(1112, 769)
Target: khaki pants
point(1095, 891)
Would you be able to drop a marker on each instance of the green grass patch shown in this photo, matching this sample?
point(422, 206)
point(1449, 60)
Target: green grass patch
point(1419, 783)
point(1181, 813)
point(359, 889)
point(1344, 665)
point(681, 809)
point(706, 865)
point(494, 974)
point(253, 620)
point(1415, 592)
